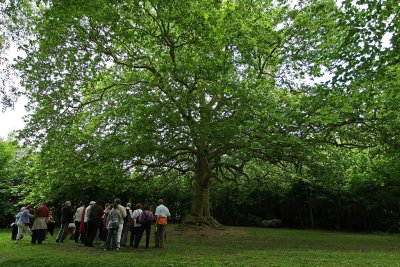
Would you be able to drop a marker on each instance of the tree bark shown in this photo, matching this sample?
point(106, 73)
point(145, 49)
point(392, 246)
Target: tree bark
point(201, 194)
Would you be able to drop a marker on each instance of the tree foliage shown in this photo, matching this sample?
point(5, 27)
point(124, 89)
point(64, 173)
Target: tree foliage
point(152, 86)
point(209, 91)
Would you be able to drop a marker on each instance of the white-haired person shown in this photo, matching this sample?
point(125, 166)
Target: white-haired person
point(121, 222)
point(23, 222)
point(162, 213)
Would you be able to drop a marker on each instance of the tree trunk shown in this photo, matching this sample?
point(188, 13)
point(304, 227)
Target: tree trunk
point(201, 194)
point(200, 212)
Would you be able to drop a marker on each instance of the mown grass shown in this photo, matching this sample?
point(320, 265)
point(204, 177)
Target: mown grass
point(234, 246)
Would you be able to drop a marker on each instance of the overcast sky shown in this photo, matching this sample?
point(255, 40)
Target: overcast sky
point(11, 119)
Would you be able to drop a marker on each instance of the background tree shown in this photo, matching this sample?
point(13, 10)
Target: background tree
point(10, 175)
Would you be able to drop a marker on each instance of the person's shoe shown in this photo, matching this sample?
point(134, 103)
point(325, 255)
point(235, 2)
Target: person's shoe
point(117, 249)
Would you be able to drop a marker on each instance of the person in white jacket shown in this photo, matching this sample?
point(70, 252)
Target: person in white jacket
point(121, 221)
point(136, 225)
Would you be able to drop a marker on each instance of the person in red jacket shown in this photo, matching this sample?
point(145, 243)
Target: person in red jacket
point(40, 224)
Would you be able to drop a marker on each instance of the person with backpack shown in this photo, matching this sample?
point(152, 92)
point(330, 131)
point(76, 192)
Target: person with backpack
point(145, 219)
point(162, 214)
point(14, 225)
point(114, 216)
point(136, 223)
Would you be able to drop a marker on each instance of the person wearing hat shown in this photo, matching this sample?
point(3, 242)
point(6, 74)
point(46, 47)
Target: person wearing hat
point(121, 221)
point(39, 226)
point(67, 217)
point(95, 213)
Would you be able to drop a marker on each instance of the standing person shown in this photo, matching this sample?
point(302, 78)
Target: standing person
point(136, 224)
point(121, 221)
point(127, 225)
point(114, 216)
point(83, 229)
point(23, 222)
point(105, 220)
point(67, 217)
point(162, 214)
point(14, 225)
point(39, 227)
point(50, 223)
point(145, 219)
point(95, 214)
point(78, 218)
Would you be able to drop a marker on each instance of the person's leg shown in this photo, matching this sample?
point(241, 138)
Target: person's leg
point(108, 240)
point(14, 231)
point(20, 230)
point(64, 232)
point(138, 236)
point(119, 235)
point(76, 233)
point(114, 238)
point(95, 229)
point(157, 236)
point(91, 233)
point(41, 235)
point(84, 233)
point(148, 229)
point(132, 238)
point(60, 233)
point(124, 236)
point(161, 235)
point(50, 227)
point(35, 234)
point(27, 229)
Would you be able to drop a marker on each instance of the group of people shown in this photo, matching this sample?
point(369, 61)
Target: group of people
point(42, 224)
point(111, 224)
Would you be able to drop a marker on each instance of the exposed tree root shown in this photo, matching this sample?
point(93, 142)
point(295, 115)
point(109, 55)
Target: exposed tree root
point(201, 222)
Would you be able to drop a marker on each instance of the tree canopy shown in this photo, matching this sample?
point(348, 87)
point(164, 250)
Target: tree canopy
point(120, 91)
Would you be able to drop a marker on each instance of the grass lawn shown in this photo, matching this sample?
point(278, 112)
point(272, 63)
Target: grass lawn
point(234, 246)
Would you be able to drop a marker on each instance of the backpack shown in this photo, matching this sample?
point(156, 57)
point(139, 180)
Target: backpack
point(18, 217)
point(138, 218)
point(128, 216)
point(143, 218)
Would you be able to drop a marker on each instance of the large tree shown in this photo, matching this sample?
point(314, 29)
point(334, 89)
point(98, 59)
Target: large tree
point(159, 86)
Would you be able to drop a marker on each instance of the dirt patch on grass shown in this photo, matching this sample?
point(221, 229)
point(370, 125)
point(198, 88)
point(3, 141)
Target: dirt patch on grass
point(207, 231)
